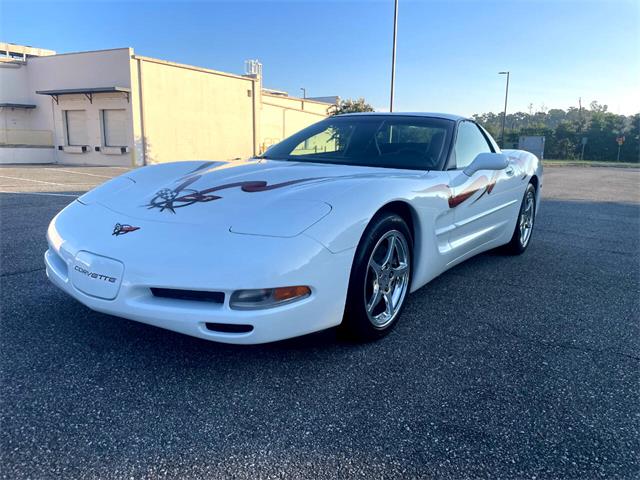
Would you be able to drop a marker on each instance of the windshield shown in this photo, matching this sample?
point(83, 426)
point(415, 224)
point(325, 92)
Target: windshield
point(411, 142)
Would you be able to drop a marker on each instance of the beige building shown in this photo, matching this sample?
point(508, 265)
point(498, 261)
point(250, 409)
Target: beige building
point(113, 107)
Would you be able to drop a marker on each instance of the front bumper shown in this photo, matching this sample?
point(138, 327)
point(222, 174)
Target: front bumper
point(249, 262)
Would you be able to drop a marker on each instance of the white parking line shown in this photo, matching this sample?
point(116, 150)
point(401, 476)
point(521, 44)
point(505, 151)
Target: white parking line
point(77, 173)
point(37, 181)
point(42, 193)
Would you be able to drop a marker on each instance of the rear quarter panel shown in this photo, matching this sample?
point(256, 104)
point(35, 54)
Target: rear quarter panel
point(529, 169)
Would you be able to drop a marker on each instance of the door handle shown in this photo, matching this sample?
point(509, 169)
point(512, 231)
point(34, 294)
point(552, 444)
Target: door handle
point(510, 171)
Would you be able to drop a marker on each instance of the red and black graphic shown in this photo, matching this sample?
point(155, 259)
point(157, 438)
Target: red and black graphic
point(120, 229)
point(201, 167)
point(489, 187)
point(181, 196)
point(481, 183)
point(468, 192)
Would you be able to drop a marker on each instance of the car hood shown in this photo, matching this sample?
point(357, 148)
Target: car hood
point(257, 196)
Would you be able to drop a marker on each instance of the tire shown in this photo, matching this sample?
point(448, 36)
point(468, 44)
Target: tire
point(376, 269)
point(521, 238)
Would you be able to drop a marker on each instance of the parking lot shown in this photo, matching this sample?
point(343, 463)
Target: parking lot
point(505, 367)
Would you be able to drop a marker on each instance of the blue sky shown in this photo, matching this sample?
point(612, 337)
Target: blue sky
point(449, 52)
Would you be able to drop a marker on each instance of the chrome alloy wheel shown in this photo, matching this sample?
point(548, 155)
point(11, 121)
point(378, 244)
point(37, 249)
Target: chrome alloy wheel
point(526, 218)
point(387, 278)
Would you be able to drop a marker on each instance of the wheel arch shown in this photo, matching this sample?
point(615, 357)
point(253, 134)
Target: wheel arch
point(408, 213)
point(535, 182)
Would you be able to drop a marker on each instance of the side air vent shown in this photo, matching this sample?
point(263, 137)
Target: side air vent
point(192, 295)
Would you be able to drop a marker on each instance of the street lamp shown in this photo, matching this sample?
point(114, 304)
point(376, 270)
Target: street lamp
point(304, 92)
point(504, 114)
point(393, 54)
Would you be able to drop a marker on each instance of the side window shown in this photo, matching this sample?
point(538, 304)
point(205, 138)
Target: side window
point(469, 143)
point(492, 140)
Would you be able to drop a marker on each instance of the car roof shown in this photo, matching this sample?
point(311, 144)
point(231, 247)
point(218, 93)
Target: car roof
point(447, 116)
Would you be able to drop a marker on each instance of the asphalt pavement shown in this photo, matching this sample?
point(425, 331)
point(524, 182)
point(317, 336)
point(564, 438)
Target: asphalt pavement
point(503, 367)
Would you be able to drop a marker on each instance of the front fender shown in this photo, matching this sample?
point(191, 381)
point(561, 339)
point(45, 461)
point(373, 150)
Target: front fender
point(353, 209)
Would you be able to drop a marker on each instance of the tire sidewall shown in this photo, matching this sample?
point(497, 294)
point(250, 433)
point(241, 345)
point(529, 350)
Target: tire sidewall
point(356, 321)
point(515, 244)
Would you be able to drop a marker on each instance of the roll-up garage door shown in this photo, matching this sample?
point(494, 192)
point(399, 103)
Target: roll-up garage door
point(115, 127)
point(76, 121)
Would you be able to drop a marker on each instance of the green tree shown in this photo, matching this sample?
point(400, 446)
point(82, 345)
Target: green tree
point(352, 106)
point(564, 131)
point(630, 151)
point(602, 132)
point(563, 142)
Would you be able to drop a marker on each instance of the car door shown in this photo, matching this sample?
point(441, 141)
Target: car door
point(511, 178)
point(478, 200)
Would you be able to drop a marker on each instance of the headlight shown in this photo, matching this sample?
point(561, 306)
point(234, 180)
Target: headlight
point(53, 237)
point(267, 297)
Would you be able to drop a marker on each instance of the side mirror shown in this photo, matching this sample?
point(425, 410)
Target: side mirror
point(487, 161)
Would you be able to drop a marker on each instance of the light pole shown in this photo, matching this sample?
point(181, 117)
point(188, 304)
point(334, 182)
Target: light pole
point(304, 92)
point(393, 55)
point(504, 114)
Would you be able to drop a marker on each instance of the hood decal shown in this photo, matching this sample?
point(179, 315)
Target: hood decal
point(181, 196)
point(202, 167)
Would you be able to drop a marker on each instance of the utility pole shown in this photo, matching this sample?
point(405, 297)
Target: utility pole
point(580, 110)
point(584, 139)
point(504, 114)
point(620, 139)
point(393, 55)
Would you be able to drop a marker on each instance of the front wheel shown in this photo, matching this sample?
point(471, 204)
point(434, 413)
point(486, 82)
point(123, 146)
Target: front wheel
point(524, 226)
point(380, 278)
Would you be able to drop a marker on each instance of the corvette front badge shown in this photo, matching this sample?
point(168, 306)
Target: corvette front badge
point(121, 229)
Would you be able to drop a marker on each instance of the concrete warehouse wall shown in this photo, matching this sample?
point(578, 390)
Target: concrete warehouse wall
point(14, 83)
point(26, 154)
point(173, 112)
point(106, 68)
point(284, 116)
point(20, 142)
point(190, 113)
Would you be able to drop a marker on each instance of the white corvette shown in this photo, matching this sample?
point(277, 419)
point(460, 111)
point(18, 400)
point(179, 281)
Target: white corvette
point(333, 226)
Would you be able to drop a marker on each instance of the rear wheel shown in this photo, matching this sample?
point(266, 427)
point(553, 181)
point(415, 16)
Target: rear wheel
point(524, 226)
point(380, 279)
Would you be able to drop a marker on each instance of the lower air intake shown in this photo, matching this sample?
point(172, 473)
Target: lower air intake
point(229, 328)
point(193, 295)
